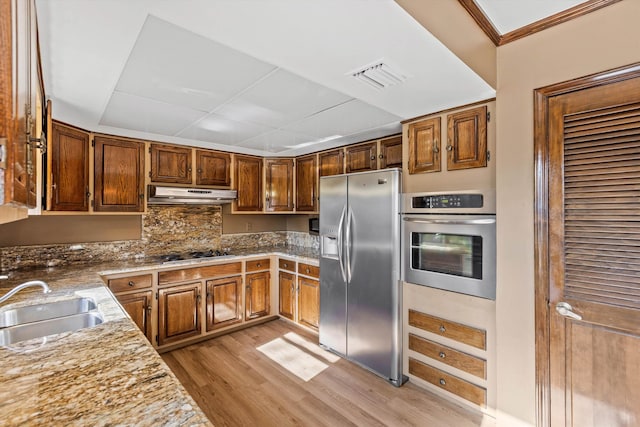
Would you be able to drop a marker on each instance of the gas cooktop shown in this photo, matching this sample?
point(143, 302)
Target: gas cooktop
point(192, 255)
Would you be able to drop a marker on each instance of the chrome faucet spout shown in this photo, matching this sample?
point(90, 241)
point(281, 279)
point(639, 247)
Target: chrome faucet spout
point(12, 292)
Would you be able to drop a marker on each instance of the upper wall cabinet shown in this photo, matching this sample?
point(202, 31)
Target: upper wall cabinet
point(361, 157)
point(170, 164)
point(331, 162)
point(424, 146)
point(69, 177)
point(248, 182)
point(307, 184)
point(390, 152)
point(213, 168)
point(279, 185)
point(119, 175)
point(467, 139)
point(20, 90)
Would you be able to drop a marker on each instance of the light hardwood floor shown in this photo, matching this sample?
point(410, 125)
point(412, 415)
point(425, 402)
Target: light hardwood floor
point(236, 382)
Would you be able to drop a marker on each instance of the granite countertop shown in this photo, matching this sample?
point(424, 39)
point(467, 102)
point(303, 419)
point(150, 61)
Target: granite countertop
point(105, 375)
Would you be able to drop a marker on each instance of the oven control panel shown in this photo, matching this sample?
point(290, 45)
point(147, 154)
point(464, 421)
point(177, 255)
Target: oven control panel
point(444, 201)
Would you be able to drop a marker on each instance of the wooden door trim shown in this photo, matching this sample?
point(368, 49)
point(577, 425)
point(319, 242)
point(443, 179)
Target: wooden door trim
point(541, 221)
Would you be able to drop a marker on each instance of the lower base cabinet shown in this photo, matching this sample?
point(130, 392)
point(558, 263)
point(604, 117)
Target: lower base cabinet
point(257, 295)
point(308, 302)
point(178, 312)
point(224, 302)
point(287, 294)
point(138, 306)
point(299, 296)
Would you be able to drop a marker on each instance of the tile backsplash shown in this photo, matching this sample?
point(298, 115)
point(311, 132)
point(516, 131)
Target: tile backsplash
point(165, 229)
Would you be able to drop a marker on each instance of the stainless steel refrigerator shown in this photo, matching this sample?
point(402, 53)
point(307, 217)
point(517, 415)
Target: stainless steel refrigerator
point(360, 287)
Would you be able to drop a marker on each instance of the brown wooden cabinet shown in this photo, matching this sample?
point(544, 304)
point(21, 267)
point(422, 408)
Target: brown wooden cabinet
point(257, 296)
point(424, 146)
point(178, 312)
point(224, 302)
point(391, 152)
point(287, 294)
point(170, 164)
point(213, 168)
point(69, 169)
point(279, 185)
point(138, 306)
point(361, 157)
point(306, 184)
point(308, 302)
point(467, 139)
point(20, 90)
point(248, 183)
point(119, 175)
point(331, 162)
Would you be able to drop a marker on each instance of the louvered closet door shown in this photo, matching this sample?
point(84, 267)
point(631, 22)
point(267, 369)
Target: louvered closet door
point(594, 256)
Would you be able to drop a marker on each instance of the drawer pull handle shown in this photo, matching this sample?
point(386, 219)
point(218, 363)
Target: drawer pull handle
point(131, 283)
point(442, 355)
point(442, 381)
point(443, 329)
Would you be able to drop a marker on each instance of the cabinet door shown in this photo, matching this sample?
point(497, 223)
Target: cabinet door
point(287, 288)
point(170, 164)
point(258, 295)
point(361, 158)
point(306, 184)
point(248, 182)
point(69, 169)
point(467, 139)
point(331, 162)
point(424, 146)
point(391, 152)
point(224, 302)
point(178, 313)
point(308, 302)
point(138, 306)
point(119, 175)
point(279, 185)
point(213, 168)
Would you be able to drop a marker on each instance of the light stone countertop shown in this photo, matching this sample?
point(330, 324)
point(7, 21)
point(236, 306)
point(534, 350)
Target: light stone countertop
point(105, 375)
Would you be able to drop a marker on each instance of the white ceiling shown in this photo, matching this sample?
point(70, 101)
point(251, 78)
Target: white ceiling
point(266, 77)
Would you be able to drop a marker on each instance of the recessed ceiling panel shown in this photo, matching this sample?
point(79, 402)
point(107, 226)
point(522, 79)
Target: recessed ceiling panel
point(345, 119)
point(280, 99)
point(218, 129)
point(171, 64)
point(143, 114)
point(278, 141)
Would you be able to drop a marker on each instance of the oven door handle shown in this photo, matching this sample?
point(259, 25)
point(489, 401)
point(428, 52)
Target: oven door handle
point(451, 221)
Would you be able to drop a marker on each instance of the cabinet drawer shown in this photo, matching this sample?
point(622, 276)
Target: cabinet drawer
point(130, 283)
point(457, 359)
point(197, 273)
point(258, 264)
point(309, 270)
point(448, 329)
point(448, 382)
point(285, 264)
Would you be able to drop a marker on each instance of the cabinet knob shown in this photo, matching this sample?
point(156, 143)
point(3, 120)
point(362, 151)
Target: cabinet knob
point(258, 265)
point(449, 147)
point(436, 148)
point(442, 381)
point(141, 196)
point(373, 157)
point(188, 169)
point(380, 156)
point(199, 170)
point(131, 283)
point(149, 310)
point(307, 271)
point(443, 329)
point(442, 355)
point(285, 265)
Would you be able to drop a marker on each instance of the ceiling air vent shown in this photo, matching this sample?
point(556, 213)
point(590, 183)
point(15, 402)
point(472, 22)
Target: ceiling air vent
point(379, 75)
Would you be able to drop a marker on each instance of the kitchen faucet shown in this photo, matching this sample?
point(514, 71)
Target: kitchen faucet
point(45, 289)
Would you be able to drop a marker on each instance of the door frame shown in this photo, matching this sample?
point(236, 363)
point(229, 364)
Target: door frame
point(541, 221)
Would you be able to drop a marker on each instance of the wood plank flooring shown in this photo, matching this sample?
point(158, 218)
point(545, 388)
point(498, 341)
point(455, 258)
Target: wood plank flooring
point(236, 382)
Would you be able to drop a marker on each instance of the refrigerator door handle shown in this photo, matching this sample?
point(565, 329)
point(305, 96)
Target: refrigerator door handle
point(340, 246)
point(348, 243)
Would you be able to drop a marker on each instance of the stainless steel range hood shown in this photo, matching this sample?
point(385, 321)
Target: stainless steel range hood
point(160, 195)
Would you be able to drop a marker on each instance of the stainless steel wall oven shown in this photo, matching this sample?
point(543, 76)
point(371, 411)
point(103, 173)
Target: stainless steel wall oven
point(449, 241)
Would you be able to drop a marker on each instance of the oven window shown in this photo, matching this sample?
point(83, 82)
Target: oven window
point(454, 254)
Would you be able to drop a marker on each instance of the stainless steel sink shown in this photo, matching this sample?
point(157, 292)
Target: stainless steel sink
point(50, 310)
point(58, 325)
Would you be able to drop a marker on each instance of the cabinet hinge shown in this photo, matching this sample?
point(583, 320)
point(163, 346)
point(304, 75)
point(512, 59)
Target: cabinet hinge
point(149, 149)
point(157, 340)
point(3, 153)
point(488, 156)
point(156, 295)
point(488, 116)
point(93, 142)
